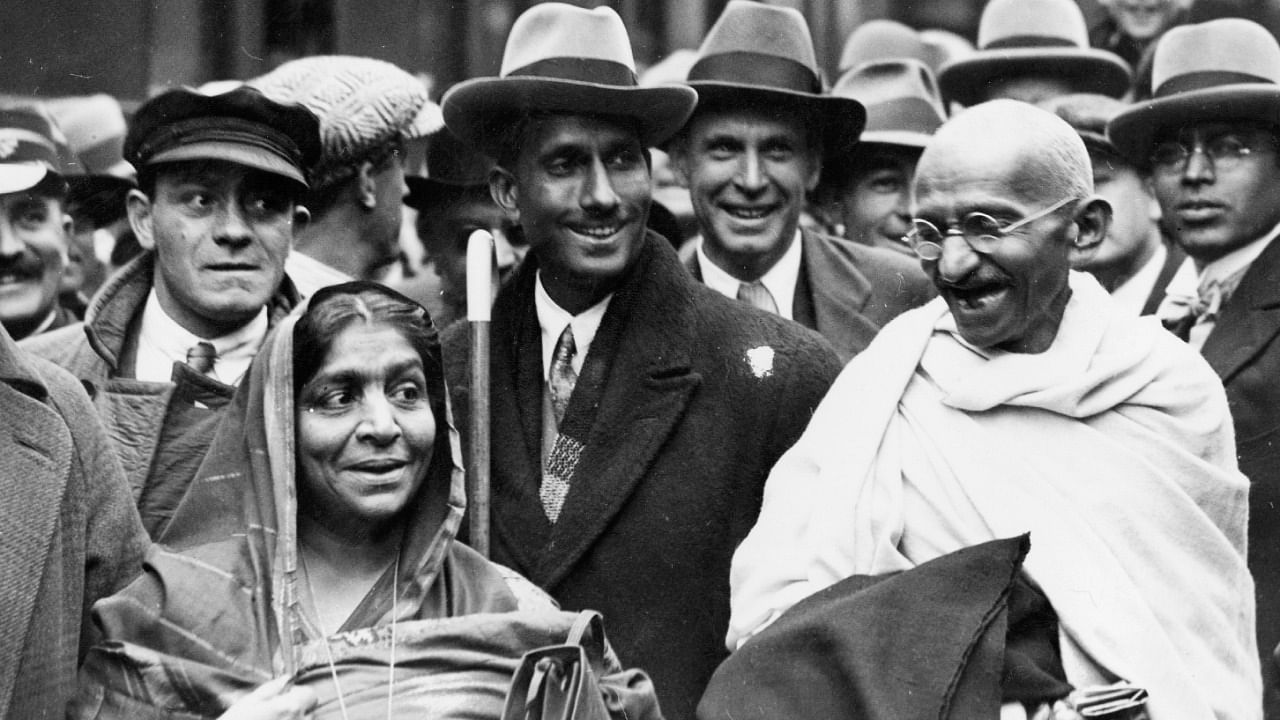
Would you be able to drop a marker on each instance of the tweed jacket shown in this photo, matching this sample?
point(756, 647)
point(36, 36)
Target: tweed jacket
point(1244, 349)
point(135, 411)
point(68, 531)
point(704, 394)
point(847, 291)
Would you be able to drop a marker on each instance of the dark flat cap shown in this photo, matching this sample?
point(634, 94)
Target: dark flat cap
point(241, 126)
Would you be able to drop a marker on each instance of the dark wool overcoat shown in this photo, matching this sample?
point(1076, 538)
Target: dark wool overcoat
point(702, 397)
point(847, 291)
point(1244, 349)
point(69, 533)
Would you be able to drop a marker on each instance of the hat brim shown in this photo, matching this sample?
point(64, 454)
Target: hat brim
point(1133, 131)
point(424, 191)
point(1087, 70)
point(238, 153)
point(899, 138)
point(842, 118)
point(477, 110)
point(16, 177)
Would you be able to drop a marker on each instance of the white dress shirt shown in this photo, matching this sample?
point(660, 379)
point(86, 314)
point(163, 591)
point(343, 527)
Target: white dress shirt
point(552, 319)
point(1132, 294)
point(163, 342)
point(780, 280)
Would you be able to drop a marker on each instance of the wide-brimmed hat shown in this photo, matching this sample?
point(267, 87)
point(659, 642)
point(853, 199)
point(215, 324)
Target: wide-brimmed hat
point(561, 58)
point(1221, 69)
point(29, 147)
point(882, 39)
point(902, 101)
point(94, 126)
point(1089, 114)
point(364, 105)
point(760, 56)
point(242, 126)
point(1046, 38)
point(452, 167)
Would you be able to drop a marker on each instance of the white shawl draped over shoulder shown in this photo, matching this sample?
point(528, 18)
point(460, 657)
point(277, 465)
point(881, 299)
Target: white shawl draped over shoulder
point(1114, 449)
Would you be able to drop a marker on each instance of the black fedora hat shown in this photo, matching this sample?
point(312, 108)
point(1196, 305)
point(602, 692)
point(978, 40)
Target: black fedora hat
point(561, 58)
point(762, 55)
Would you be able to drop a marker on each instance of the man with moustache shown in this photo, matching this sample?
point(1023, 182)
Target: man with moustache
point(166, 340)
point(635, 413)
point(1023, 401)
point(750, 155)
point(1209, 135)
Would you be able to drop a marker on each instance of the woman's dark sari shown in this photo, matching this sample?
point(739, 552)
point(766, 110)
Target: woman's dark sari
point(217, 611)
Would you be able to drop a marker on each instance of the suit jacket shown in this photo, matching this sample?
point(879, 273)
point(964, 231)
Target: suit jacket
point(1173, 259)
point(1244, 349)
point(702, 397)
point(847, 291)
point(70, 532)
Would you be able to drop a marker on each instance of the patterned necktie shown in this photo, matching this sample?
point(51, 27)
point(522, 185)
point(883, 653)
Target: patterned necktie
point(757, 295)
point(201, 357)
point(563, 378)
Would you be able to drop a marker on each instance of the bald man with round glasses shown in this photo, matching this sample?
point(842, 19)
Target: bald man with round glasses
point(1021, 401)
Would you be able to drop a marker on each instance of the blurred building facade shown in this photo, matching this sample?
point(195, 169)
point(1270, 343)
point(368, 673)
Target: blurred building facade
point(133, 48)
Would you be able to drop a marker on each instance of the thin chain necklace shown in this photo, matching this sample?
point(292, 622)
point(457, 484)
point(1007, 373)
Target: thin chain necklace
point(328, 650)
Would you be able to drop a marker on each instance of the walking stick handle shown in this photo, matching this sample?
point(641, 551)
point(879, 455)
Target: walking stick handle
point(482, 273)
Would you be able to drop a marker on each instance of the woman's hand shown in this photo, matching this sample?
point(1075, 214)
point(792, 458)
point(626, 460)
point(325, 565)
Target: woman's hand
point(274, 700)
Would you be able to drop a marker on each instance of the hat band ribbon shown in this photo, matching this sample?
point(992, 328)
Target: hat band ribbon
point(1028, 41)
point(220, 129)
point(1206, 80)
point(750, 68)
point(590, 70)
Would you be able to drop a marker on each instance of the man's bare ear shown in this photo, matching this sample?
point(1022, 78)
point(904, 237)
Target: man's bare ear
point(1092, 221)
point(301, 217)
point(138, 207)
point(504, 191)
point(367, 185)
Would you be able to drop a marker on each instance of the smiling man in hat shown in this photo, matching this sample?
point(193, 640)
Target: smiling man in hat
point(750, 154)
point(1209, 135)
point(1032, 50)
point(635, 412)
point(368, 110)
point(168, 338)
point(1023, 401)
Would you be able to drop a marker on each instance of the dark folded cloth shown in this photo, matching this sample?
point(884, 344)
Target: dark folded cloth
point(953, 638)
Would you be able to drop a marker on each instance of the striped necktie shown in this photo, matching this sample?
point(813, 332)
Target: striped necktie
point(757, 295)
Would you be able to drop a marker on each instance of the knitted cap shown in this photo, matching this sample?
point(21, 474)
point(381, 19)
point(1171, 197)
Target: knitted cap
point(363, 104)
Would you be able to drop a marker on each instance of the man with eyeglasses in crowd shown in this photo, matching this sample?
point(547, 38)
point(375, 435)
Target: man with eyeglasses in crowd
point(1023, 401)
point(1209, 134)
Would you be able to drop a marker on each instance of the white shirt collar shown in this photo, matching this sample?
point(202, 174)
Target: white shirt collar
point(780, 280)
point(1132, 295)
point(162, 342)
point(1236, 260)
point(553, 318)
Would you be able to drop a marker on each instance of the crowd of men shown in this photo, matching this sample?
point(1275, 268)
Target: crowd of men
point(961, 400)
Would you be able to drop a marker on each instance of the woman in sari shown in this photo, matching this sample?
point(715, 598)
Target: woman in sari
point(317, 544)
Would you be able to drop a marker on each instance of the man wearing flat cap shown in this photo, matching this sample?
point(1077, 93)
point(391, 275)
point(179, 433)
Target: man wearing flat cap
point(166, 340)
point(368, 110)
point(1133, 262)
point(1032, 50)
point(1209, 135)
point(750, 154)
point(635, 411)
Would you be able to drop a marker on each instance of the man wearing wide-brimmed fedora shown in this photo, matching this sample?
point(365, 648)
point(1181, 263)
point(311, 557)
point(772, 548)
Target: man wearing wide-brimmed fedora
point(635, 412)
point(750, 154)
point(1210, 134)
point(1032, 50)
point(868, 190)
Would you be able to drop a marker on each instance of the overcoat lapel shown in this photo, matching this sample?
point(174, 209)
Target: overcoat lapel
point(1250, 319)
point(840, 292)
point(36, 465)
point(649, 385)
